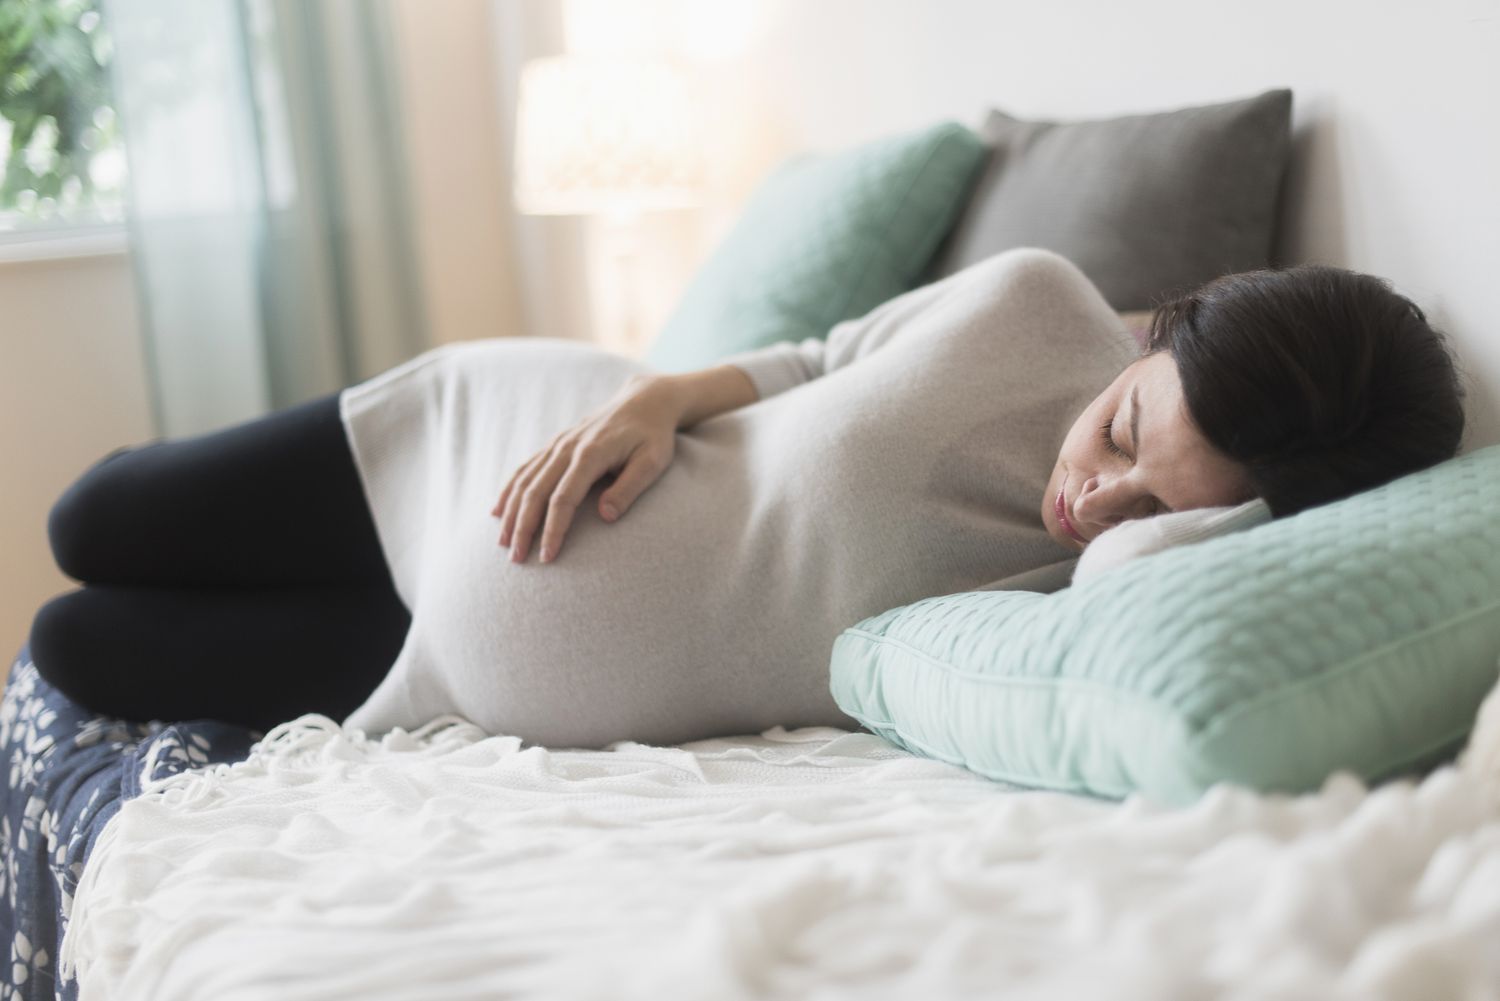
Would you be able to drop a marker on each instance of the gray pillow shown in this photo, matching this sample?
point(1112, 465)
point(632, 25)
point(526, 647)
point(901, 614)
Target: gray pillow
point(1146, 205)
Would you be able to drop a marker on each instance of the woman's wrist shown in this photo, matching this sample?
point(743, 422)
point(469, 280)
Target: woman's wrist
point(697, 396)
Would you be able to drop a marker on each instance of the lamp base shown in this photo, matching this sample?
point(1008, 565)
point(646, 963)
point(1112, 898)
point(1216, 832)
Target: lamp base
point(615, 262)
point(638, 266)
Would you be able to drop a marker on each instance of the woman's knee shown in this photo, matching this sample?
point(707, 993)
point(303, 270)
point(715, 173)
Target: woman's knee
point(76, 524)
point(58, 631)
point(80, 650)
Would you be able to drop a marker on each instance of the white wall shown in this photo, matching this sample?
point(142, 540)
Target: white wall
point(1397, 112)
point(72, 388)
point(451, 121)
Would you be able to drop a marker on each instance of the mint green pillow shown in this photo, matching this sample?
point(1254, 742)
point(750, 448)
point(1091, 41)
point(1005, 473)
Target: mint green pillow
point(825, 238)
point(1359, 635)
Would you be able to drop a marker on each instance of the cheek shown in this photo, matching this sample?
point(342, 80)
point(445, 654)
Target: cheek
point(1078, 445)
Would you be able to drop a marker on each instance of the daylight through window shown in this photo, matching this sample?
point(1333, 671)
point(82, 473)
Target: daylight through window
point(64, 160)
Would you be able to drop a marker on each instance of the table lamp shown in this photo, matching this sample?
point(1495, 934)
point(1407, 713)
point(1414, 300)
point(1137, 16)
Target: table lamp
point(613, 137)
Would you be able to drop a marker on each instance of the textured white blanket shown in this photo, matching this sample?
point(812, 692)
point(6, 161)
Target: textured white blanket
point(813, 863)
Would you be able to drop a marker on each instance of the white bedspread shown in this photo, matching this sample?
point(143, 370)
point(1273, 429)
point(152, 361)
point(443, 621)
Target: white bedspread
point(813, 863)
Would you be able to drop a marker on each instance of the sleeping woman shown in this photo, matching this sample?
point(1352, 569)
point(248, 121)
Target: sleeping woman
point(555, 542)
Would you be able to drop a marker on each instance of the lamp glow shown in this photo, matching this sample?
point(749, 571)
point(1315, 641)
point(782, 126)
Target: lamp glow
point(605, 135)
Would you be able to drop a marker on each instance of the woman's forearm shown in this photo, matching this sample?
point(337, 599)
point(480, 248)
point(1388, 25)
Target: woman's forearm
point(706, 392)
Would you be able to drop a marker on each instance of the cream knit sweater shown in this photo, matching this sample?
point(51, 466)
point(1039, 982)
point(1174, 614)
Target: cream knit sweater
point(903, 457)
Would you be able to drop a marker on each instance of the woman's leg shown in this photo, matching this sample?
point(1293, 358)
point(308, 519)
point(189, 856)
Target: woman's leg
point(251, 656)
point(268, 502)
point(235, 575)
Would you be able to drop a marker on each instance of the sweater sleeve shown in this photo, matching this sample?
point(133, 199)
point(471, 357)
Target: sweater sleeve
point(778, 367)
point(1143, 536)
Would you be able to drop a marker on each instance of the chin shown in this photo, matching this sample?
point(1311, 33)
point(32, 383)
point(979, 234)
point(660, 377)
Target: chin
point(1060, 537)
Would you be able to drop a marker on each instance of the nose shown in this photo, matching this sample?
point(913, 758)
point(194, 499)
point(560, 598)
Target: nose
point(1108, 501)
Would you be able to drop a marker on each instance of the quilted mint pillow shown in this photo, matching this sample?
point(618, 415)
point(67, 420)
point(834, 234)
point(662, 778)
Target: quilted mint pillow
point(1359, 635)
point(825, 238)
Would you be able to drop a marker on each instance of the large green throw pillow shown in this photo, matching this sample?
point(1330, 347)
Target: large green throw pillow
point(825, 238)
point(1360, 635)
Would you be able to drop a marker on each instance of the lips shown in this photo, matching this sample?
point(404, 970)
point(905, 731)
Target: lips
point(1062, 519)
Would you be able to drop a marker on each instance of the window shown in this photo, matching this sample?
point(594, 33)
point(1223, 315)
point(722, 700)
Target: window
point(64, 159)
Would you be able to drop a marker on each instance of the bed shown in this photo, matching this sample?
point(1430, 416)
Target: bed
point(69, 771)
point(212, 861)
point(794, 863)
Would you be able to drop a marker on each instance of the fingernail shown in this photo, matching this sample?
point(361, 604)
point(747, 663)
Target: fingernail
point(610, 512)
point(515, 555)
point(546, 555)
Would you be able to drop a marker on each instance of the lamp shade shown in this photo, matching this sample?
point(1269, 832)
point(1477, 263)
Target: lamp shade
point(605, 134)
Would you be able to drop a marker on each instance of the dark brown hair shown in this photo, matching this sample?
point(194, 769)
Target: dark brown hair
point(1320, 382)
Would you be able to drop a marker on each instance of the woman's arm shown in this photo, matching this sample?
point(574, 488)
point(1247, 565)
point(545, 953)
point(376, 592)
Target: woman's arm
point(699, 395)
point(633, 435)
point(778, 367)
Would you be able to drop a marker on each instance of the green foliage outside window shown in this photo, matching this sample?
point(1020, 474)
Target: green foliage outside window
point(63, 157)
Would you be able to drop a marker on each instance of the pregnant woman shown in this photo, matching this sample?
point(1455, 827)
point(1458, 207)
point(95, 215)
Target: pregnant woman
point(676, 553)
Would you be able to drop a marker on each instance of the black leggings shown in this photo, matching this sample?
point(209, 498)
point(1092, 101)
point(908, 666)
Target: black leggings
point(234, 575)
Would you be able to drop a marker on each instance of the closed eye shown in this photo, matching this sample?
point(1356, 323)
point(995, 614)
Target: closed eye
point(1109, 441)
point(1157, 507)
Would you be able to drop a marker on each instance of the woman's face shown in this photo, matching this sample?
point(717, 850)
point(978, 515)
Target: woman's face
point(1134, 452)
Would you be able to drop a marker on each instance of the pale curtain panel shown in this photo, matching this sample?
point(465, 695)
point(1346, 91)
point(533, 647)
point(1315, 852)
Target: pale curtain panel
point(268, 207)
point(550, 252)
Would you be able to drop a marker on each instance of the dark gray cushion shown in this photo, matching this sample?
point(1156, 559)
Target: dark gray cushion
point(1145, 205)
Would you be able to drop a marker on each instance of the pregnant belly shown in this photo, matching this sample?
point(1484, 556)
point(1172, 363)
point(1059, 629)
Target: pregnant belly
point(614, 640)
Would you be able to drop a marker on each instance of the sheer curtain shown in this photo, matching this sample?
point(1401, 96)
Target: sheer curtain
point(268, 204)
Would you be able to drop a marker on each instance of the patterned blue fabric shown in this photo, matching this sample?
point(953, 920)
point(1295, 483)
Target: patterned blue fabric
point(69, 771)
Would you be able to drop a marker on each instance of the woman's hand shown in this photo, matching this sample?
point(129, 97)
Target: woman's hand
point(633, 435)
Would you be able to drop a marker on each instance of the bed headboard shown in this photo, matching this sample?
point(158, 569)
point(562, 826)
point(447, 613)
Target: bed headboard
point(1395, 155)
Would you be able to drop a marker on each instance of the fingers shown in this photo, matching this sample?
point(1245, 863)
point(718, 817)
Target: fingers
point(499, 507)
point(552, 496)
point(515, 489)
point(518, 477)
point(510, 497)
point(540, 501)
point(639, 473)
point(532, 506)
point(571, 489)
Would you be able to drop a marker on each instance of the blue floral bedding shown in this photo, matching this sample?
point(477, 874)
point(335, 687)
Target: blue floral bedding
point(69, 771)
